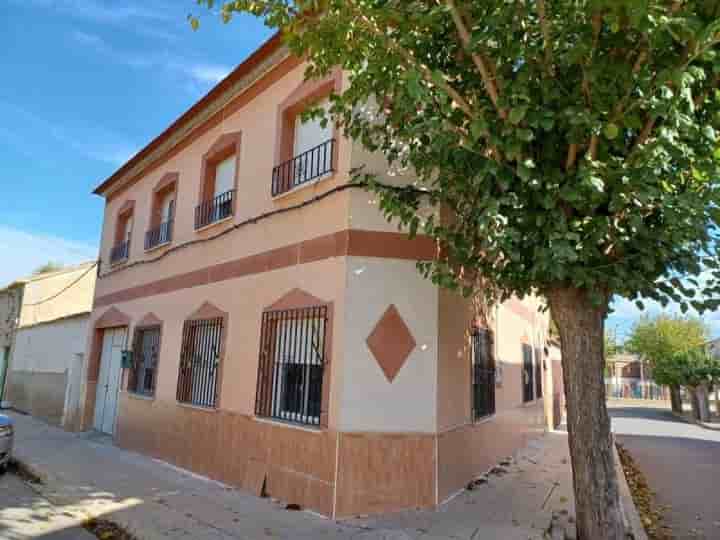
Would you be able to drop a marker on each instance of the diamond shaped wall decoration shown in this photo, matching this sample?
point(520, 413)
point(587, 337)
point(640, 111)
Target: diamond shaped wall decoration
point(391, 342)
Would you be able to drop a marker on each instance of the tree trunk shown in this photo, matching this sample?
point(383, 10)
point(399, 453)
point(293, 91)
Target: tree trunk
point(581, 327)
point(703, 401)
point(694, 403)
point(675, 399)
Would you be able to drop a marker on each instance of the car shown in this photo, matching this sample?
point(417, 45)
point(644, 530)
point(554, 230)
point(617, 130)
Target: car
point(7, 435)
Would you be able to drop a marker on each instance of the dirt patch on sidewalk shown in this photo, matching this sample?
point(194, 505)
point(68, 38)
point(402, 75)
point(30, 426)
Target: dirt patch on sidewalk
point(650, 512)
point(107, 530)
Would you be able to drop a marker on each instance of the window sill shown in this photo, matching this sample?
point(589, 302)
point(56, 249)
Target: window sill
point(141, 397)
point(158, 246)
point(277, 422)
point(484, 419)
point(215, 223)
point(306, 185)
point(197, 407)
point(121, 262)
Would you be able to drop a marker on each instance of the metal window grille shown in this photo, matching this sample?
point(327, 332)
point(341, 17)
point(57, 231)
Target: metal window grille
point(527, 373)
point(162, 234)
point(200, 362)
point(213, 210)
point(305, 167)
point(292, 365)
point(483, 374)
point(120, 252)
point(538, 373)
point(142, 376)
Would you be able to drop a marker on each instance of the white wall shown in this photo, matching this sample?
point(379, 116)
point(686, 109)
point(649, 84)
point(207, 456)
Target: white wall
point(49, 347)
point(368, 401)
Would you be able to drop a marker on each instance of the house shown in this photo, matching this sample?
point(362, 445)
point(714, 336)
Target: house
point(46, 344)
point(257, 320)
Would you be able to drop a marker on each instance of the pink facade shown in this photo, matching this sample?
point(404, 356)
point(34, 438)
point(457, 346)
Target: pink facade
point(282, 339)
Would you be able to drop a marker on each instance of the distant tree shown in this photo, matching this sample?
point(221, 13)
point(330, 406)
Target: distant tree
point(50, 266)
point(696, 370)
point(612, 347)
point(659, 339)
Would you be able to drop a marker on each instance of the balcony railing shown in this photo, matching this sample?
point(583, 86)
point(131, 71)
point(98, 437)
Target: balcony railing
point(303, 168)
point(119, 252)
point(213, 210)
point(162, 234)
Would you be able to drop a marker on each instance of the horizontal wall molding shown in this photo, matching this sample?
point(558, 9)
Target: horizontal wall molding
point(346, 243)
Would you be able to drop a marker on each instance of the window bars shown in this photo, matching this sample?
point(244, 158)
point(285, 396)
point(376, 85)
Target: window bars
point(303, 168)
point(527, 373)
point(142, 376)
point(483, 374)
point(200, 362)
point(215, 209)
point(292, 365)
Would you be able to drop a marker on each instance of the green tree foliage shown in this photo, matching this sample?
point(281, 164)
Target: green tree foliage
point(660, 339)
point(49, 266)
point(573, 144)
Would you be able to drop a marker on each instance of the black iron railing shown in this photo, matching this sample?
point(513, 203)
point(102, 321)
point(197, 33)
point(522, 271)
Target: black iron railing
point(483, 374)
point(305, 167)
point(538, 374)
point(292, 365)
point(142, 376)
point(200, 362)
point(162, 234)
point(213, 210)
point(120, 252)
point(528, 373)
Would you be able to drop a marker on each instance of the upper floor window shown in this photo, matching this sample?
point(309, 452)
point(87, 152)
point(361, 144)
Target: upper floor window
point(306, 149)
point(218, 186)
point(120, 249)
point(483, 373)
point(162, 214)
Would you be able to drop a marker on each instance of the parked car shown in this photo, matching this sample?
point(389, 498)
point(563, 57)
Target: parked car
point(7, 434)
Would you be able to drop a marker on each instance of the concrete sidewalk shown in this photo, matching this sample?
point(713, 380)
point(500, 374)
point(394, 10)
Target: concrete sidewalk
point(86, 474)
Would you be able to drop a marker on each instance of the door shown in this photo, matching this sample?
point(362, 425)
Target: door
point(528, 373)
point(108, 385)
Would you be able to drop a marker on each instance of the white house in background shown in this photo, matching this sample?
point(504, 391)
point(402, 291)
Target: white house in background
point(47, 352)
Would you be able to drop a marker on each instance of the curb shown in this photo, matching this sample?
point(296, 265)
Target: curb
point(691, 420)
point(631, 518)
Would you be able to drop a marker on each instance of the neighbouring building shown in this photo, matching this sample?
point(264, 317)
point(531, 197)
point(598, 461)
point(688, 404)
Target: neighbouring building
point(257, 320)
point(629, 376)
point(46, 358)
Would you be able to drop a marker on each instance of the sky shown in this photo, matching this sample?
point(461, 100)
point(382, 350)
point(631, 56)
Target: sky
point(85, 84)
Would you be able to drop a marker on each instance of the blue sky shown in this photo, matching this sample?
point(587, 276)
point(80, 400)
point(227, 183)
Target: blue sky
point(84, 85)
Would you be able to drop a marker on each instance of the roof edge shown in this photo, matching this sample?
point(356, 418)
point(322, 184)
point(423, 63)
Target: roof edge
point(243, 69)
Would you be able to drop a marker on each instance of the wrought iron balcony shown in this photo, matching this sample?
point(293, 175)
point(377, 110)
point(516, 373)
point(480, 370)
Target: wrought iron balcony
point(303, 168)
point(119, 252)
point(162, 234)
point(208, 212)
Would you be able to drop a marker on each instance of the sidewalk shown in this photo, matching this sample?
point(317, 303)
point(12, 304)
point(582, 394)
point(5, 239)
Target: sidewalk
point(157, 501)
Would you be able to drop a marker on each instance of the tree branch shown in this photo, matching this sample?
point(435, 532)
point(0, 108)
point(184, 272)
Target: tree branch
point(478, 59)
point(547, 43)
point(571, 156)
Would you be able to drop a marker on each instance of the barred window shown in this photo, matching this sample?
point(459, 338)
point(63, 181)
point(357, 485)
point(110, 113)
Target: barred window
point(200, 362)
point(143, 373)
point(483, 374)
point(292, 365)
point(528, 373)
point(538, 373)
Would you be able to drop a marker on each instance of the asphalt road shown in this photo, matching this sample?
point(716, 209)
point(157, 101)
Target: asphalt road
point(24, 515)
point(681, 462)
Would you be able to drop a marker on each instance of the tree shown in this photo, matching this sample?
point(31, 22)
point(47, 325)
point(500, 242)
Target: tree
point(610, 344)
point(695, 369)
point(569, 146)
point(49, 266)
point(659, 340)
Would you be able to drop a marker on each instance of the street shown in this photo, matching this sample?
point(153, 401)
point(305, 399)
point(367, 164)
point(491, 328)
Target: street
point(24, 514)
point(681, 463)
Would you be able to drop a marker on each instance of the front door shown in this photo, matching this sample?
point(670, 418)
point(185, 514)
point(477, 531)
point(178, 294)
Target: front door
point(108, 385)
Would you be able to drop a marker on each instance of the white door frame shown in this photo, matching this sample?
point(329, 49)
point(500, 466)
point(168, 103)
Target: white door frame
point(109, 361)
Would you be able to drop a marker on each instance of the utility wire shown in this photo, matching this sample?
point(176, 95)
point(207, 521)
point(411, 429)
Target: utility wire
point(64, 288)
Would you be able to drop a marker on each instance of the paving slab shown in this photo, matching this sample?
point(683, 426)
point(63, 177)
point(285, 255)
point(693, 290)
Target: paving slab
point(158, 501)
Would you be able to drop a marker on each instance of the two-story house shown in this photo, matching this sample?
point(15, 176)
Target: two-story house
point(282, 338)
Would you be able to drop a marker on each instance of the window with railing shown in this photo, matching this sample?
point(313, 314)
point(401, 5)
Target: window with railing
point(528, 373)
point(120, 251)
point(215, 209)
point(143, 373)
point(200, 362)
point(162, 217)
point(292, 364)
point(304, 167)
point(483, 374)
point(538, 373)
